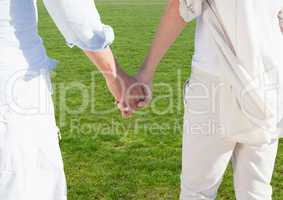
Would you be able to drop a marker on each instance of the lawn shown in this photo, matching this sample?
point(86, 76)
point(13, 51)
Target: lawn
point(110, 158)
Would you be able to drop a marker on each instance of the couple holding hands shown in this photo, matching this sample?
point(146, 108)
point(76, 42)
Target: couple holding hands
point(235, 86)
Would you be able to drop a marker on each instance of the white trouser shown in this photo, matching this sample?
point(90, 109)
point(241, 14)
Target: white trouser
point(208, 147)
point(31, 166)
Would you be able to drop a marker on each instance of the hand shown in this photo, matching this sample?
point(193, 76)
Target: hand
point(127, 92)
point(132, 93)
point(146, 85)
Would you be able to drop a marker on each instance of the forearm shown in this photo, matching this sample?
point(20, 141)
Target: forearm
point(170, 28)
point(105, 63)
point(116, 78)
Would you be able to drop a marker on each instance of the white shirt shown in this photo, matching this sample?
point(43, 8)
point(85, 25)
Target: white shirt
point(244, 21)
point(20, 44)
point(205, 56)
point(246, 42)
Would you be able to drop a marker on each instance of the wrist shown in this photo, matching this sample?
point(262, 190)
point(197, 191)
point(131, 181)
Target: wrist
point(147, 71)
point(113, 76)
point(145, 76)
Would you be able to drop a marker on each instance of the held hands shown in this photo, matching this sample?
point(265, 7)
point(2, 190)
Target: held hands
point(136, 95)
point(131, 93)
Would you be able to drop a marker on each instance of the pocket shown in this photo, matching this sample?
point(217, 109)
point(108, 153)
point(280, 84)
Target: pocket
point(198, 96)
point(6, 154)
point(48, 78)
point(49, 150)
point(202, 98)
point(38, 136)
point(186, 84)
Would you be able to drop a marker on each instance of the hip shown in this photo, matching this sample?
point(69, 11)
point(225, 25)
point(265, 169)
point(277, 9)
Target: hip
point(211, 108)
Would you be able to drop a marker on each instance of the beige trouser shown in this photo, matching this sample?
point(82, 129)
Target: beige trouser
point(208, 146)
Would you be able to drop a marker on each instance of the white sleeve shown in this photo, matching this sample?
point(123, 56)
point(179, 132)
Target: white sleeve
point(190, 9)
point(80, 24)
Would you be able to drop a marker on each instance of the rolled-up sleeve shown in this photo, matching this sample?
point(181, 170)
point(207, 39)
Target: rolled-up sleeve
point(80, 24)
point(190, 9)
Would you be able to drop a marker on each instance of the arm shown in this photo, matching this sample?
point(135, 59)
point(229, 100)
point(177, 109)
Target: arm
point(107, 65)
point(174, 20)
point(80, 24)
point(172, 24)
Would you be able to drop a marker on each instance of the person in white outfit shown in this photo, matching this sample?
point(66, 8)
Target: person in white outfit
point(233, 99)
point(31, 166)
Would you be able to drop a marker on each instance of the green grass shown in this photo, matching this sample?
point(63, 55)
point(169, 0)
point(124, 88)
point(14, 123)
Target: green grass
point(139, 158)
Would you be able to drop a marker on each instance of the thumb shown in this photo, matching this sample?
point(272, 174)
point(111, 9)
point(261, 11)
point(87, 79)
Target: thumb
point(147, 93)
point(124, 109)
